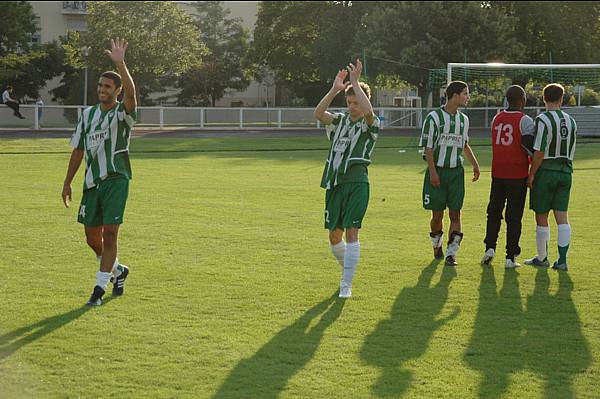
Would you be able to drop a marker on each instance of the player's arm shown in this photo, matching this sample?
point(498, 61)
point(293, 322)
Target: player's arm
point(527, 134)
point(539, 146)
point(74, 163)
point(538, 158)
point(117, 55)
point(433, 175)
point(363, 101)
point(321, 112)
point(427, 138)
point(471, 157)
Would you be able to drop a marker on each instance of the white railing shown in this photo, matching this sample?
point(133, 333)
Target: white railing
point(65, 117)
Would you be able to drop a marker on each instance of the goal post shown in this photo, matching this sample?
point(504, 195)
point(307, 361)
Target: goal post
point(499, 66)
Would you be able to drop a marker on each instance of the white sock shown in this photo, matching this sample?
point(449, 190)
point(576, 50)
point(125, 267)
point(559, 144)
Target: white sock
point(115, 271)
point(454, 245)
point(564, 235)
point(339, 251)
point(351, 258)
point(437, 239)
point(102, 279)
point(542, 236)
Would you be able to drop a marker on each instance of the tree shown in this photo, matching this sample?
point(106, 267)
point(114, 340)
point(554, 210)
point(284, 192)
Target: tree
point(305, 43)
point(23, 66)
point(566, 31)
point(227, 41)
point(418, 36)
point(163, 43)
point(16, 22)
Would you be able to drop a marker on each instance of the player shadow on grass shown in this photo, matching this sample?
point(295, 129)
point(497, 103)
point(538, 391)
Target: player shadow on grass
point(496, 349)
point(266, 374)
point(557, 348)
point(15, 340)
point(545, 338)
point(408, 331)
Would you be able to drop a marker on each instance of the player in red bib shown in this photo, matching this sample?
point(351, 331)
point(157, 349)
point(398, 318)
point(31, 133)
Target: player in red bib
point(512, 139)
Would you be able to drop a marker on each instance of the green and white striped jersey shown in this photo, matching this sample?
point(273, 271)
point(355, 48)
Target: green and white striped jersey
point(104, 136)
point(447, 135)
point(352, 143)
point(555, 136)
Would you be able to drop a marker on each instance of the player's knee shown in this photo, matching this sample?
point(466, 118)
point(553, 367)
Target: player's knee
point(351, 235)
point(94, 242)
point(109, 237)
point(335, 237)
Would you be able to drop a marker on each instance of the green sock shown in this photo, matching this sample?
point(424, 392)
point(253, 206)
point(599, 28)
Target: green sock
point(562, 255)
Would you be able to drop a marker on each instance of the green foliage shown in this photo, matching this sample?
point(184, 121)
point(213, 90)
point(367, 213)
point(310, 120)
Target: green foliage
point(590, 97)
point(27, 68)
point(16, 22)
point(424, 35)
point(305, 43)
point(164, 42)
point(227, 42)
point(566, 31)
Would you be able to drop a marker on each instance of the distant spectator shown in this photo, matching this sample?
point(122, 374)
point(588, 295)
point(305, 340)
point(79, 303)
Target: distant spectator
point(11, 102)
point(40, 109)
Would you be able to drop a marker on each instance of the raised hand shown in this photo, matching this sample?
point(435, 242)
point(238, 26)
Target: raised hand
point(338, 83)
point(355, 70)
point(117, 52)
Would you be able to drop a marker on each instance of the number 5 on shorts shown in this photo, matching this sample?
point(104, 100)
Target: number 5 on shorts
point(426, 199)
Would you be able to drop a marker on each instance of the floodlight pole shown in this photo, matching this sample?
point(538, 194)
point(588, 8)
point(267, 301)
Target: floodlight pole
point(85, 51)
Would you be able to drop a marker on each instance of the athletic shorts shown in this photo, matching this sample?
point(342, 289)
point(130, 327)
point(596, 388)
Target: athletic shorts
point(105, 203)
point(451, 192)
point(346, 205)
point(551, 190)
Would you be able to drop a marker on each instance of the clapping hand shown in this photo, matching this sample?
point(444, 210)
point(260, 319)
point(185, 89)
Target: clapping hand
point(338, 83)
point(355, 70)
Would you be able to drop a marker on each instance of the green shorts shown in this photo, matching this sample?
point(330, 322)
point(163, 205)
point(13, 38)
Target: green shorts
point(551, 190)
point(105, 203)
point(346, 205)
point(451, 192)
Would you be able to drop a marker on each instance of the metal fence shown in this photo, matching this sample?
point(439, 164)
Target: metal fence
point(65, 116)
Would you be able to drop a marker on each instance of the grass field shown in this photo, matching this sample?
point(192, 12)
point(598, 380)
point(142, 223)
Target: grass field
point(232, 285)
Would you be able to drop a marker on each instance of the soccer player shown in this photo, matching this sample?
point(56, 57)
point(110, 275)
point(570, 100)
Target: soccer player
point(550, 176)
point(102, 134)
point(445, 138)
point(512, 131)
point(352, 135)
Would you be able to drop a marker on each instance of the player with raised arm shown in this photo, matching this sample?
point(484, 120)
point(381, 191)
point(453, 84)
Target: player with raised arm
point(102, 135)
point(352, 135)
point(551, 175)
point(512, 133)
point(445, 138)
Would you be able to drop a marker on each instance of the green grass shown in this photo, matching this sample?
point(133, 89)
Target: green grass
point(230, 292)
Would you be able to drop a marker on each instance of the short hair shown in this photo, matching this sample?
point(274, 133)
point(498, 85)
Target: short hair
point(455, 87)
point(553, 92)
point(365, 87)
point(112, 75)
point(9, 87)
point(514, 93)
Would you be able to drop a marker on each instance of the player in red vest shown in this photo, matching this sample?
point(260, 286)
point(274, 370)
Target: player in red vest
point(512, 139)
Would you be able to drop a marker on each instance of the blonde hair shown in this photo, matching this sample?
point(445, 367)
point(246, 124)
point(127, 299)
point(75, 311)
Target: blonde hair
point(365, 87)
